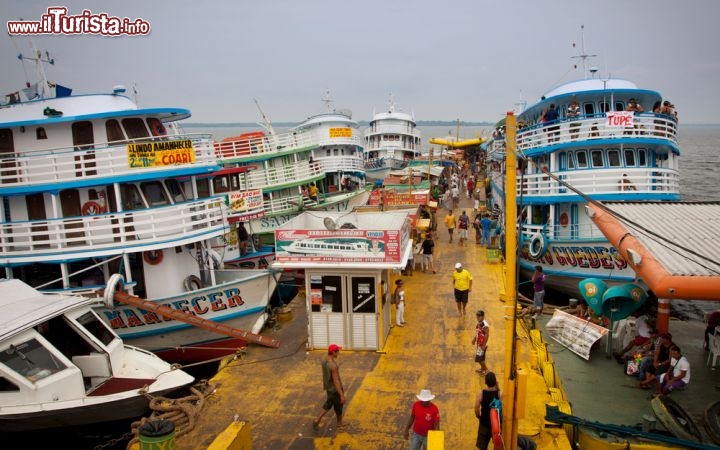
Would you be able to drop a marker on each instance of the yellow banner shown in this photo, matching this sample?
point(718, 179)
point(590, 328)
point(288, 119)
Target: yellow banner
point(161, 153)
point(340, 132)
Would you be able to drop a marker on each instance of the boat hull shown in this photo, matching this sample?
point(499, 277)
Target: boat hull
point(240, 302)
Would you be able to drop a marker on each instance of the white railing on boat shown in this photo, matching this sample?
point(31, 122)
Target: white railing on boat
point(387, 128)
point(253, 147)
point(342, 163)
point(580, 232)
point(73, 237)
point(302, 172)
point(603, 181)
point(563, 132)
point(105, 160)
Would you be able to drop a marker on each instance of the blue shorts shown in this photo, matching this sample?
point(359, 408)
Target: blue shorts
point(539, 299)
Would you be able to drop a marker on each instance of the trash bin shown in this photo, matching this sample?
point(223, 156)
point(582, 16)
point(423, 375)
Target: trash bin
point(157, 435)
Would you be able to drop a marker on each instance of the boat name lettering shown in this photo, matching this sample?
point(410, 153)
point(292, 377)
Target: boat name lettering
point(197, 306)
point(340, 132)
point(620, 119)
point(337, 233)
point(162, 153)
point(274, 221)
point(596, 257)
point(375, 234)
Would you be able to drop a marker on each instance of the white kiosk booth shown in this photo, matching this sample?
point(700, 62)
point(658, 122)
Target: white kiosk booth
point(348, 259)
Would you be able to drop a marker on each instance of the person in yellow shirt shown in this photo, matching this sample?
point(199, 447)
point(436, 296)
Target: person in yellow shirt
point(462, 284)
point(313, 192)
point(451, 223)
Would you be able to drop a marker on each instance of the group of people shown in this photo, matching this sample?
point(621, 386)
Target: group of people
point(482, 224)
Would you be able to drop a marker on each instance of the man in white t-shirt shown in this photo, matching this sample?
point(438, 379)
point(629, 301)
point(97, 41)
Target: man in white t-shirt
point(678, 374)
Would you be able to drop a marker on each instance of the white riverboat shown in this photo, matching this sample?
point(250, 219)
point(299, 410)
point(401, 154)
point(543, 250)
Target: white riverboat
point(392, 141)
point(93, 186)
point(608, 151)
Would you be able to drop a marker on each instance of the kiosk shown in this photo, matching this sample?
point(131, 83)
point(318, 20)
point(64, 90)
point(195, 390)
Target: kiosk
point(348, 259)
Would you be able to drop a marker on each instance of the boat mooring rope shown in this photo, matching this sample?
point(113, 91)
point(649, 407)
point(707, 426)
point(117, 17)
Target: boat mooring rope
point(182, 412)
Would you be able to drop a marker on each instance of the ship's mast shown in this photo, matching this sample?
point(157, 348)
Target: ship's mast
point(583, 56)
point(37, 58)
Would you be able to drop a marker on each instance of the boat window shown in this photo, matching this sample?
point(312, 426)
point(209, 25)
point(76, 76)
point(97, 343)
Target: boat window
point(570, 160)
point(154, 193)
point(221, 184)
point(156, 127)
point(40, 133)
point(589, 109)
point(32, 360)
point(613, 158)
point(114, 132)
point(604, 107)
point(597, 158)
point(642, 158)
point(176, 192)
point(135, 128)
point(96, 327)
point(582, 160)
point(619, 106)
point(629, 157)
point(131, 197)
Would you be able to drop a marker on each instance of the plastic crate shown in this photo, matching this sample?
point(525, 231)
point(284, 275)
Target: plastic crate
point(492, 254)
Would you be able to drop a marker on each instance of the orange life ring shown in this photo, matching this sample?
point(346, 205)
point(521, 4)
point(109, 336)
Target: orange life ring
point(153, 257)
point(92, 209)
point(563, 219)
point(157, 128)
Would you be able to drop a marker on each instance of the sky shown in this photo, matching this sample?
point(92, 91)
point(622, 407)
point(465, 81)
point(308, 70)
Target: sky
point(472, 60)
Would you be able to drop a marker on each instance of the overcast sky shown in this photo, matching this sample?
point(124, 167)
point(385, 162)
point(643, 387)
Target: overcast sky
point(442, 59)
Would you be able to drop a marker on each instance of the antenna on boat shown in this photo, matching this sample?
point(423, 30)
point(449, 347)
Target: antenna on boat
point(583, 56)
point(328, 101)
point(265, 121)
point(43, 85)
point(391, 104)
point(520, 104)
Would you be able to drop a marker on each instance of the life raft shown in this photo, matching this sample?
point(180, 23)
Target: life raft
point(495, 428)
point(153, 257)
point(538, 245)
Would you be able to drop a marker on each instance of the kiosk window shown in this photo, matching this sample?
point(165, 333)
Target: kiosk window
point(329, 289)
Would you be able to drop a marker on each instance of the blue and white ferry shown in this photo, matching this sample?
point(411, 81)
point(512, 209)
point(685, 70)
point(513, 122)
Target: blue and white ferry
point(606, 152)
point(93, 187)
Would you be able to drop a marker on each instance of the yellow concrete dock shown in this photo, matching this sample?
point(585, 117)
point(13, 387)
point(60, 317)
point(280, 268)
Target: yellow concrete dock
point(278, 392)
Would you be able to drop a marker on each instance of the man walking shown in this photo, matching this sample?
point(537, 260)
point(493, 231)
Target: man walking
point(463, 221)
point(424, 416)
point(450, 223)
point(333, 387)
point(462, 285)
point(428, 245)
point(480, 341)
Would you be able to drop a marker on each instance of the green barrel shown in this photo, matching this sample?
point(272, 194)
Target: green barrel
point(157, 435)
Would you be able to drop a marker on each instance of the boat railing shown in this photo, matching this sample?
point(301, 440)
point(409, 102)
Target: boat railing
point(636, 183)
point(283, 205)
point(646, 125)
point(109, 232)
point(101, 160)
point(324, 137)
point(342, 164)
point(254, 147)
point(576, 232)
point(399, 128)
point(278, 176)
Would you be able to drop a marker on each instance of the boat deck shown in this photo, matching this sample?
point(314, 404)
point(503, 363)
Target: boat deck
point(278, 392)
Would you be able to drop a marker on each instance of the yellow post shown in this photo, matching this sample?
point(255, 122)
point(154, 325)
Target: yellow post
point(510, 423)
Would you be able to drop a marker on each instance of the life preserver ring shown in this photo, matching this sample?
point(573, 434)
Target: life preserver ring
point(92, 209)
point(538, 245)
point(153, 257)
point(110, 289)
point(158, 129)
point(564, 219)
point(216, 259)
point(192, 283)
point(674, 418)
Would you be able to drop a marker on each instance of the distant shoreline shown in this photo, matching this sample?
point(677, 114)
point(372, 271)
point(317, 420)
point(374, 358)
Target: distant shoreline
point(420, 123)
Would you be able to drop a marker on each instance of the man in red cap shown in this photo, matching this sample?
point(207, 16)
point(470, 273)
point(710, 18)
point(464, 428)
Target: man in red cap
point(333, 387)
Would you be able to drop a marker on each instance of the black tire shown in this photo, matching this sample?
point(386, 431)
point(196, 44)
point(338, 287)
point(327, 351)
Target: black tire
point(712, 422)
point(675, 419)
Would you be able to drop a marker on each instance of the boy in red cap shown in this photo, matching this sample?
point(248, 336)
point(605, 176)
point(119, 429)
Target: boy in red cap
point(333, 387)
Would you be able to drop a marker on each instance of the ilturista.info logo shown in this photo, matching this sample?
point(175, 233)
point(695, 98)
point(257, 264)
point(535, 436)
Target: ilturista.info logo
point(57, 21)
